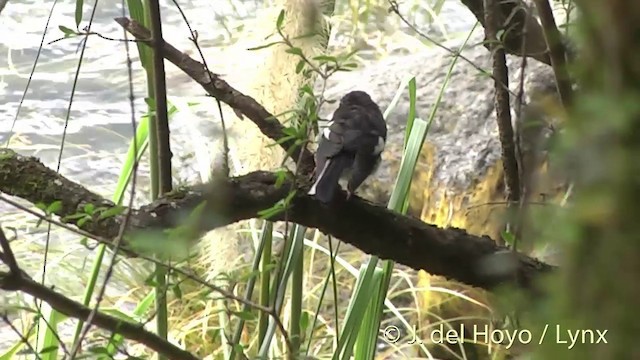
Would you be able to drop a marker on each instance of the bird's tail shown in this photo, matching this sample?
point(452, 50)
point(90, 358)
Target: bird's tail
point(327, 181)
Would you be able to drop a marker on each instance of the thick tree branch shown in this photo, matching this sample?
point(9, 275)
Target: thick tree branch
point(221, 90)
point(452, 253)
point(20, 281)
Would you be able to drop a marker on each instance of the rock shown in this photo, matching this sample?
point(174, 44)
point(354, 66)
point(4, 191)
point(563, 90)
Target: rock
point(464, 135)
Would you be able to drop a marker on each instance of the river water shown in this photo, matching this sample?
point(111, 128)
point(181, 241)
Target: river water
point(99, 127)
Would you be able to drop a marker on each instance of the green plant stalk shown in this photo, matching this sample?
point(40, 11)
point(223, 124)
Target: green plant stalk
point(266, 236)
point(414, 141)
point(365, 345)
point(293, 250)
point(356, 310)
point(330, 276)
point(162, 326)
point(116, 339)
point(153, 140)
point(352, 332)
point(137, 12)
point(265, 282)
point(48, 344)
point(125, 176)
point(297, 291)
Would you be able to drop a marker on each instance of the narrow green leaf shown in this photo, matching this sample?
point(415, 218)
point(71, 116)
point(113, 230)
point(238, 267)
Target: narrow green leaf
point(89, 208)
point(412, 109)
point(326, 58)
point(264, 46)
point(54, 207)
point(294, 51)
point(67, 31)
point(111, 212)
point(79, 4)
point(280, 20)
point(244, 315)
point(176, 291)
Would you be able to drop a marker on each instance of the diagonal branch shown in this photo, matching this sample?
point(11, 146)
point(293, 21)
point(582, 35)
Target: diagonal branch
point(221, 90)
point(451, 252)
point(22, 282)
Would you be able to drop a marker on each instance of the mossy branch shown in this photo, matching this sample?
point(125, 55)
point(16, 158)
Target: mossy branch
point(453, 253)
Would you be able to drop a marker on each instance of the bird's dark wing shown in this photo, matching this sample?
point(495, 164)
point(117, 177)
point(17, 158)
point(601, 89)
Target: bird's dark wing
point(350, 130)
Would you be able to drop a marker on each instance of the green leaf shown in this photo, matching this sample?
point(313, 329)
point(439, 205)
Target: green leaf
point(509, 238)
point(300, 66)
point(326, 58)
point(264, 46)
point(74, 216)
point(119, 314)
point(244, 315)
point(48, 350)
point(281, 176)
point(112, 212)
point(307, 90)
point(176, 291)
point(79, 4)
point(89, 208)
point(290, 131)
point(304, 321)
point(82, 221)
point(67, 31)
point(54, 207)
point(280, 20)
point(294, 51)
point(412, 109)
point(348, 55)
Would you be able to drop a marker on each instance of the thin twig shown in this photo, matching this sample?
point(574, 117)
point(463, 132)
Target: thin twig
point(23, 339)
point(525, 178)
point(396, 9)
point(502, 105)
point(8, 258)
point(77, 310)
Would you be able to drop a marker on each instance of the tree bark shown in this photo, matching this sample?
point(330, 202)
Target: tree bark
point(452, 253)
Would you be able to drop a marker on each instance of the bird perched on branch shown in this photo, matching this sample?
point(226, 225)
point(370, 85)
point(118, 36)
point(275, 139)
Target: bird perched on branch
point(350, 146)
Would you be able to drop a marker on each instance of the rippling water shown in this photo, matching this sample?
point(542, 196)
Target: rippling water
point(100, 118)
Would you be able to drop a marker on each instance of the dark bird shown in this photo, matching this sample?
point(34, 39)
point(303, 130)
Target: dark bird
point(350, 146)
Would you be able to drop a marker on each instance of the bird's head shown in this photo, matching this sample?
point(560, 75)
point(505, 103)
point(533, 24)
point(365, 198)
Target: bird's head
point(356, 98)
